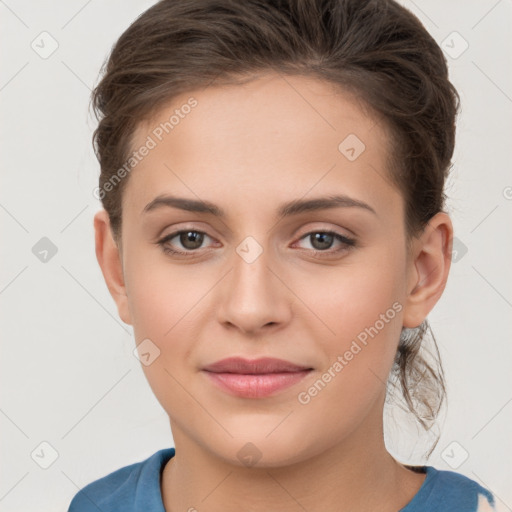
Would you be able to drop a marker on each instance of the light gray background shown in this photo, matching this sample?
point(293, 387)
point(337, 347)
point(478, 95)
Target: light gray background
point(69, 376)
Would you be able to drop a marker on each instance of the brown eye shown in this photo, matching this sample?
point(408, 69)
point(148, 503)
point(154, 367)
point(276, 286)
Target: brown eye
point(322, 241)
point(188, 242)
point(191, 239)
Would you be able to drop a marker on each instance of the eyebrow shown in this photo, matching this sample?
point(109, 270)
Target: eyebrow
point(286, 210)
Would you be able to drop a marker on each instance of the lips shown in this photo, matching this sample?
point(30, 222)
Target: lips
point(259, 378)
point(260, 366)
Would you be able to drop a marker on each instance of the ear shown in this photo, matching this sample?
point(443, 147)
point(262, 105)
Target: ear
point(428, 269)
point(110, 260)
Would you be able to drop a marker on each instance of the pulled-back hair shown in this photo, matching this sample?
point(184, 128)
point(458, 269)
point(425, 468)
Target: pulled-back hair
point(374, 49)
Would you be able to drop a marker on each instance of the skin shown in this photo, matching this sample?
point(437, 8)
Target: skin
point(248, 149)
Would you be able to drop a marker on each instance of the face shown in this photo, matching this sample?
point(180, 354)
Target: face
point(323, 286)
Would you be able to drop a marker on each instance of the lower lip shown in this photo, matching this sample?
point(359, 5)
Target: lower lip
point(256, 386)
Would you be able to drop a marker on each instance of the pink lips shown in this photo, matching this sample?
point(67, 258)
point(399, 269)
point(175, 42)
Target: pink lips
point(257, 378)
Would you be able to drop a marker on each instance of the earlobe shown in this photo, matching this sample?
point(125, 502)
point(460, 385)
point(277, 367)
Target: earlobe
point(429, 269)
point(109, 259)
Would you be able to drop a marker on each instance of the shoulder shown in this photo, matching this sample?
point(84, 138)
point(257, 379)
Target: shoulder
point(451, 492)
point(122, 489)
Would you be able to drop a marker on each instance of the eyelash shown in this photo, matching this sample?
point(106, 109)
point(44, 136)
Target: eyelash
point(347, 242)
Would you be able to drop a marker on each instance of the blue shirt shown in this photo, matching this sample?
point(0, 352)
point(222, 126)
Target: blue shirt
point(137, 488)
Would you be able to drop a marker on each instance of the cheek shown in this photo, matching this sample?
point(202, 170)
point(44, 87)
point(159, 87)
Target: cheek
point(161, 301)
point(354, 296)
point(352, 383)
point(166, 302)
point(362, 307)
point(159, 294)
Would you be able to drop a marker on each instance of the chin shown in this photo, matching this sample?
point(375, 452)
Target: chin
point(260, 450)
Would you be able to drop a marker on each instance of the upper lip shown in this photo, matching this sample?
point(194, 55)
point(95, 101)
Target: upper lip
point(254, 366)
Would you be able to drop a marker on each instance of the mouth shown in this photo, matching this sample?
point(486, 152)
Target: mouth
point(257, 378)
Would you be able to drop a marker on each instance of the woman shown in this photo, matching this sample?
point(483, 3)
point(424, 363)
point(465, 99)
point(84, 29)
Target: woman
point(272, 178)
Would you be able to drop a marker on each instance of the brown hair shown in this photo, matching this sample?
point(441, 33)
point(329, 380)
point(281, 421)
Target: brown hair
point(375, 49)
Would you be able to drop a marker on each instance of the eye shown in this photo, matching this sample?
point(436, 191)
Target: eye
point(189, 239)
point(322, 241)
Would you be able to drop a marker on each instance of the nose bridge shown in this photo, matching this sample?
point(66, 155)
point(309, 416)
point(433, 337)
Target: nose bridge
point(251, 276)
point(253, 297)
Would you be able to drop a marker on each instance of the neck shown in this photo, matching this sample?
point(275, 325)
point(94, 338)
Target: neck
point(355, 474)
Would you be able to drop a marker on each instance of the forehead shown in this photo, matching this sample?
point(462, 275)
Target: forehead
point(275, 134)
point(267, 103)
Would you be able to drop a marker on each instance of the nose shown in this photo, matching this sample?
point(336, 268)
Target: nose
point(253, 297)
